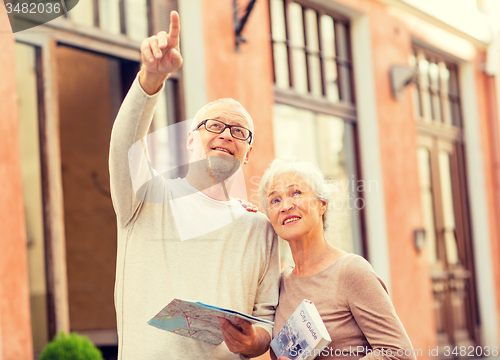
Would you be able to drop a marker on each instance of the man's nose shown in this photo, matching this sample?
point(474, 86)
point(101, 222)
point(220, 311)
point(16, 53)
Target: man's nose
point(226, 134)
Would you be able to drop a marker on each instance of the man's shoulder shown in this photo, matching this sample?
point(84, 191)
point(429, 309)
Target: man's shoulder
point(256, 218)
point(255, 225)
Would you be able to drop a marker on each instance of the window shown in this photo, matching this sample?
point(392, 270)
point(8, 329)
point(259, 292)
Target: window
point(314, 116)
point(311, 51)
point(328, 141)
point(436, 96)
point(136, 19)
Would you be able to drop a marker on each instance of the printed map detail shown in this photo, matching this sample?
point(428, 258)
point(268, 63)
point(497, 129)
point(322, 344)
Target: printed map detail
point(198, 321)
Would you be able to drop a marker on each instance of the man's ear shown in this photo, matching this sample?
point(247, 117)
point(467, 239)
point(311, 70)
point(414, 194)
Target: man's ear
point(189, 142)
point(245, 161)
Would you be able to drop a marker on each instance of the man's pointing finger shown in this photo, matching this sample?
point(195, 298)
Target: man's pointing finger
point(174, 27)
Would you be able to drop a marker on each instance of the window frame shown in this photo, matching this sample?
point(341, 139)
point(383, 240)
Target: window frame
point(340, 108)
point(445, 96)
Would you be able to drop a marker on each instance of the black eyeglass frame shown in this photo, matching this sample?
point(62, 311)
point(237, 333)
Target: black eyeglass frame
point(249, 138)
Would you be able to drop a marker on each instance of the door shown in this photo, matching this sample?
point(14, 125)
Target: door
point(445, 206)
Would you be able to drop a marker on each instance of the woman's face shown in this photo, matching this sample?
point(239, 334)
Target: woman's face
point(293, 208)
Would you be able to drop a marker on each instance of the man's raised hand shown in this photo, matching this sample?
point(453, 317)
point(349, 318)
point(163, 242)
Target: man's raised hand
point(160, 56)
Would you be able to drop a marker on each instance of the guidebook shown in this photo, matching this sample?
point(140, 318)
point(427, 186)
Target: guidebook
point(197, 320)
point(303, 336)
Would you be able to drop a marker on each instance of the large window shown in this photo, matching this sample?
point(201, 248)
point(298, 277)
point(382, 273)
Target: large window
point(311, 51)
point(314, 115)
point(136, 19)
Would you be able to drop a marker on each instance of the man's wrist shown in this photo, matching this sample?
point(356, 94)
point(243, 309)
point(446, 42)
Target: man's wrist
point(151, 83)
point(260, 345)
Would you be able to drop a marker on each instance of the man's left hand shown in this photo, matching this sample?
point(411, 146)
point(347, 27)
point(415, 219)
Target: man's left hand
point(250, 341)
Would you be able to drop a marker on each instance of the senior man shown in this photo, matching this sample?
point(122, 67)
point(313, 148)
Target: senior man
point(186, 238)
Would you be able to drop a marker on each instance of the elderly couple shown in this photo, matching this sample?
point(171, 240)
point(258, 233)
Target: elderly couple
point(188, 238)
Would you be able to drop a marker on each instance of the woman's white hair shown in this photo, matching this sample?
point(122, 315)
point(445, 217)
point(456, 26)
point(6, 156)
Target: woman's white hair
point(307, 170)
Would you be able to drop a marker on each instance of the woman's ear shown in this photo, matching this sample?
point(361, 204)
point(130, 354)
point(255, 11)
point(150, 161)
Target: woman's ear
point(324, 204)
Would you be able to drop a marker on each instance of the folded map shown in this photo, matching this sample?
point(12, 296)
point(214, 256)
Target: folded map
point(197, 320)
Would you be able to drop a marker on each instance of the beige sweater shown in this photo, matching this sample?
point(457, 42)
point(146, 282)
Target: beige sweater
point(234, 265)
point(355, 307)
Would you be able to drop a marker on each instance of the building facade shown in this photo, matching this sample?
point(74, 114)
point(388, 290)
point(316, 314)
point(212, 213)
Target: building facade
point(396, 100)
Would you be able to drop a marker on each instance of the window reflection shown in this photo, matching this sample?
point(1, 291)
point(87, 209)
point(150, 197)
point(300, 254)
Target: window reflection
point(327, 36)
point(83, 13)
point(448, 211)
point(313, 53)
point(305, 45)
point(437, 88)
point(296, 30)
point(109, 16)
point(278, 20)
point(280, 51)
point(423, 66)
point(108, 13)
point(281, 66)
point(434, 89)
point(136, 14)
point(328, 47)
point(328, 141)
point(345, 83)
point(312, 30)
point(427, 199)
point(444, 75)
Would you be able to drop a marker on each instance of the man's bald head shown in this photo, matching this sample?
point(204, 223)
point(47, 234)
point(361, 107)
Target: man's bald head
point(212, 108)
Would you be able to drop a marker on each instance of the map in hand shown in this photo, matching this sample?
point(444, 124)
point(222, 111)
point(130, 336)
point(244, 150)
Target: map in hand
point(198, 321)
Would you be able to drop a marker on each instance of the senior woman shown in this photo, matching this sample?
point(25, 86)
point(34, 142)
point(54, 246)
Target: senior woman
point(351, 299)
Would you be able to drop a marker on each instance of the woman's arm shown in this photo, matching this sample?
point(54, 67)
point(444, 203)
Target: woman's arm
point(374, 313)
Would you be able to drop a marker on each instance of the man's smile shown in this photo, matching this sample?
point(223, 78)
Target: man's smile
point(222, 149)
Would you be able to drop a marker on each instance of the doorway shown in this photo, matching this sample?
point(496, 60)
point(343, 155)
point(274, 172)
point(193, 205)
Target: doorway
point(446, 215)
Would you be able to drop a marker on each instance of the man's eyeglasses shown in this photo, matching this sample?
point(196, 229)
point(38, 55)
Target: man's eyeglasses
point(218, 127)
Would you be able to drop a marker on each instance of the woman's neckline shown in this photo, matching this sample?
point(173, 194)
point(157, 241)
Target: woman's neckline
point(321, 271)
